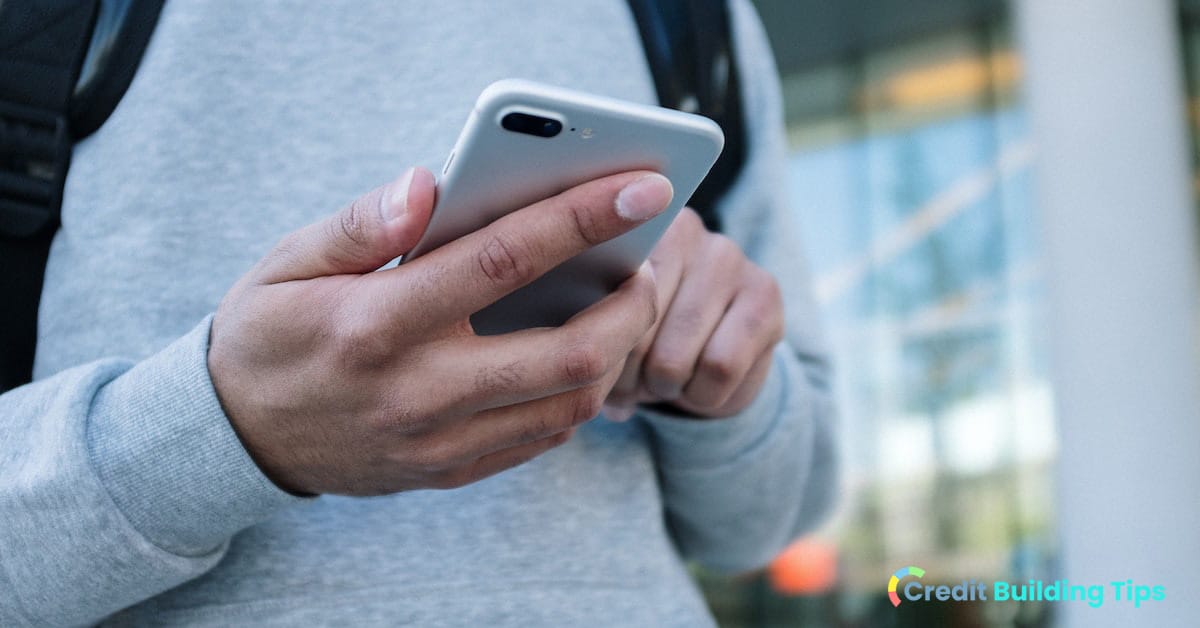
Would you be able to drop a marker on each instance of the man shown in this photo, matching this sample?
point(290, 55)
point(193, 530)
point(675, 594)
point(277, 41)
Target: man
point(196, 454)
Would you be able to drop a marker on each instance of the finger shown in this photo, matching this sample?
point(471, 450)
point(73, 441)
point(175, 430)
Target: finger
point(703, 296)
point(621, 401)
point(498, 429)
point(667, 260)
point(511, 426)
point(499, 461)
point(374, 229)
point(745, 392)
point(496, 371)
point(618, 407)
point(748, 332)
point(477, 269)
point(673, 252)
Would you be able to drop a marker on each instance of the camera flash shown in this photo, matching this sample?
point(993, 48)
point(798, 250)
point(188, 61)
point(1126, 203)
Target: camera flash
point(586, 134)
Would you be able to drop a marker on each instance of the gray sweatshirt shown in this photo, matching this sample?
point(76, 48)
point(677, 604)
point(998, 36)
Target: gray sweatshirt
point(126, 498)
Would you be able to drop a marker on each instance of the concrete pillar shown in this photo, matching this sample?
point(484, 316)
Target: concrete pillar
point(1104, 87)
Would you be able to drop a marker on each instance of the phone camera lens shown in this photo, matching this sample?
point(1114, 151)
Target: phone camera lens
point(531, 124)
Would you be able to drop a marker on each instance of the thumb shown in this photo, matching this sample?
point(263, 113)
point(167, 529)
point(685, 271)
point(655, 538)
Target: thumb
point(374, 229)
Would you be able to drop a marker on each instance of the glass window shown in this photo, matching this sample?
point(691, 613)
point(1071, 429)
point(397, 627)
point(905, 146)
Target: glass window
point(910, 171)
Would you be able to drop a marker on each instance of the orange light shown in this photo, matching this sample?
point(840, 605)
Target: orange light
point(806, 567)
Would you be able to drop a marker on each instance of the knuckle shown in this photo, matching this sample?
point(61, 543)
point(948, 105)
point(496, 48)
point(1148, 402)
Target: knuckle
point(724, 248)
point(756, 316)
point(720, 370)
point(668, 368)
point(586, 225)
point(351, 226)
point(502, 262)
point(766, 308)
point(769, 287)
point(583, 363)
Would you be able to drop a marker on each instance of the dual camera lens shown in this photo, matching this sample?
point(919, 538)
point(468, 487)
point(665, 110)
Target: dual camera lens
point(531, 125)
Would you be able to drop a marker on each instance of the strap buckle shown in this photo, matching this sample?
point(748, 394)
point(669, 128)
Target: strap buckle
point(35, 150)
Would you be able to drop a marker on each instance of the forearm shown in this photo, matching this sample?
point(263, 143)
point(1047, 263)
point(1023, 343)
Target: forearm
point(117, 482)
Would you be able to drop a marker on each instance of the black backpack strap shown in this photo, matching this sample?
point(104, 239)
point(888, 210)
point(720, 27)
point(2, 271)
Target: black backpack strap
point(689, 46)
point(42, 45)
point(64, 66)
point(123, 30)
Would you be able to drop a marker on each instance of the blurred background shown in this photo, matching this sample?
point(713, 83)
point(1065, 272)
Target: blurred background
point(916, 128)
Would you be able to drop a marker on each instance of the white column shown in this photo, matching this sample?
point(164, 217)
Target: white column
point(1104, 87)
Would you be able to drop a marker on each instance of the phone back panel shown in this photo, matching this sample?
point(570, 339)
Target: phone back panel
point(493, 171)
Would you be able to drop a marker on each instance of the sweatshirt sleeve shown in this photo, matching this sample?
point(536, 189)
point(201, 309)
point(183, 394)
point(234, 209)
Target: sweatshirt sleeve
point(739, 489)
point(119, 481)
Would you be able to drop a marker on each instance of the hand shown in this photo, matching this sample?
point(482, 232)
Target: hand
point(720, 319)
point(338, 379)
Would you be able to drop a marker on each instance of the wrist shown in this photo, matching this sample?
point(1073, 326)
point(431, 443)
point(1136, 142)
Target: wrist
point(168, 457)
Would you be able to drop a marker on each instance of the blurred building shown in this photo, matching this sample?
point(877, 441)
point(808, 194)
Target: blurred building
point(913, 169)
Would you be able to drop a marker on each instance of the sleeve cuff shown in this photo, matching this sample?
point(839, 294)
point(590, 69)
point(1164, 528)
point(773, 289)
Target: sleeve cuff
point(169, 458)
point(687, 443)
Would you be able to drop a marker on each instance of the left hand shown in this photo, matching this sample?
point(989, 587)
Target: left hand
point(720, 317)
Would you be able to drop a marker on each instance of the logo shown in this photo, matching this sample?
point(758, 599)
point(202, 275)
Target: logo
point(1057, 591)
point(895, 581)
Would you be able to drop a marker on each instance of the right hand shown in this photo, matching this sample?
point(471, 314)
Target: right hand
point(342, 380)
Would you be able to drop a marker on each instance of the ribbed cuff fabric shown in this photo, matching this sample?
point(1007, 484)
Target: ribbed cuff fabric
point(690, 443)
point(168, 456)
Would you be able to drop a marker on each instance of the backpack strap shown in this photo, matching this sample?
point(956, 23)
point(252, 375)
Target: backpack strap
point(64, 66)
point(42, 45)
point(689, 48)
point(123, 30)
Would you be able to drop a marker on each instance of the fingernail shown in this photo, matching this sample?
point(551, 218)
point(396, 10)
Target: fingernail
point(645, 198)
point(395, 204)
point(618, 414)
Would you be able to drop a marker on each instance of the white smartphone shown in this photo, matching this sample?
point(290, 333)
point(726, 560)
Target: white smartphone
point(525, 142)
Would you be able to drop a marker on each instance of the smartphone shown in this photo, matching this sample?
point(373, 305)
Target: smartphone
point(525, 142)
